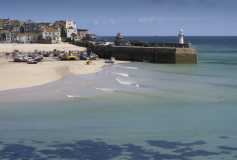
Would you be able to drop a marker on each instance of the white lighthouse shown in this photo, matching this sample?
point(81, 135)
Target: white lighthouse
point(181, 36)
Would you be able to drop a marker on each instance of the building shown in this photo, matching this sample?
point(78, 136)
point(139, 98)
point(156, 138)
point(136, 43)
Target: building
point(27, 37)
point(8, 29)
point(51, 34)
point(42, 25)
point(30, 26)
point(120, 40)
point(4, 35)
point(4, 23)
point(62, 25)
point(15, 31)
point(71, 29)
point(82, 33)
point(10, 36)
point(17, 37)
point(90, 37)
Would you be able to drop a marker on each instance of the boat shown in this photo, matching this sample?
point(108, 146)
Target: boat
point(88, 56)
point(20, 58)
point(31, 61)
point(71, 55)
point(28, 58)
point(84, 56)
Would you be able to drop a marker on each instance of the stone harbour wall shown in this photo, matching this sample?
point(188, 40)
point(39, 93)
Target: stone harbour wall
point(149, 54)
point(166, 55)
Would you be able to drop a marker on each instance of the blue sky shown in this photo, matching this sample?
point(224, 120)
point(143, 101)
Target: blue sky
point(132, 17)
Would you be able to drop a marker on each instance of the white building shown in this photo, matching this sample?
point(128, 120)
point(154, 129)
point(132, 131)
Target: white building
point(27, 37)
point(10, 37)
point(71, 28)
point(51, 34)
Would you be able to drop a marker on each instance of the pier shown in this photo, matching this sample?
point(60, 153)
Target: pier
point(167, 53)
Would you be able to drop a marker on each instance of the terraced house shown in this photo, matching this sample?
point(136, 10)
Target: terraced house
point(15, 31)
point(51, 34)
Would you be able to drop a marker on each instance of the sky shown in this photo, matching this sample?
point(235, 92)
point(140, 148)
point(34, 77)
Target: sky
point(132, 17)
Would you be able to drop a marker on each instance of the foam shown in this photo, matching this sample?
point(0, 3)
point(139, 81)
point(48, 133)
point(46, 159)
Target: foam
point(124, 82)
point(137, 85)
point(73, 96)
point(106, 89)
point(121, 74)
point(128, 67)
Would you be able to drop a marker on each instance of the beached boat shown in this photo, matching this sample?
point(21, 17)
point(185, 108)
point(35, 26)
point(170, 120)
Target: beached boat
point(71, 55)
point(27, 57)
point(88, 56)
point(32, 61)
point(20, 58)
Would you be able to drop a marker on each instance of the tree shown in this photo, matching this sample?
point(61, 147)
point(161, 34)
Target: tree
point(74, 35)
point(63, 33)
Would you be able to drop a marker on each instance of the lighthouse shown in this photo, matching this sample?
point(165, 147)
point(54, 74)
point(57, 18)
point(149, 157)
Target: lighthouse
point(181, 36)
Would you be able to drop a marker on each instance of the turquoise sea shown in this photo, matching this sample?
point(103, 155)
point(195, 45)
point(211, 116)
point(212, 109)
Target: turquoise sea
point(133, 111)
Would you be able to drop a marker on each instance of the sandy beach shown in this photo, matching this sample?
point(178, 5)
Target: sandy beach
point(22, 75)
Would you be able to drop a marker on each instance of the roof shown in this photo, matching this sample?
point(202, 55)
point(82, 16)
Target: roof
point(50, 29)
point(61, 23)
point(28, 33)
point(4, 31)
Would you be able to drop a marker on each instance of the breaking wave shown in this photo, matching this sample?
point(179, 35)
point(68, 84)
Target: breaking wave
point(129, 83)
point(121, 74)
point(137, 85)
point(124, 82)
point(128, 67)
point(73, 96)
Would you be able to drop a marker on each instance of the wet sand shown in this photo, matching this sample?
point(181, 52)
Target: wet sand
point(73, 86)
point(22, 75)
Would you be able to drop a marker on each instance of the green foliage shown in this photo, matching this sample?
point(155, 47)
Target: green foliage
point(63, 32)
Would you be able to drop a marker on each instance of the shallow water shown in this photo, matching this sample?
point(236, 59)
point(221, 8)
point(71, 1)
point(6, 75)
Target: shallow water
point(130, 111)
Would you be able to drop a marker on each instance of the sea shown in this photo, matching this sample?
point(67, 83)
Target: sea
point(130, 111)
